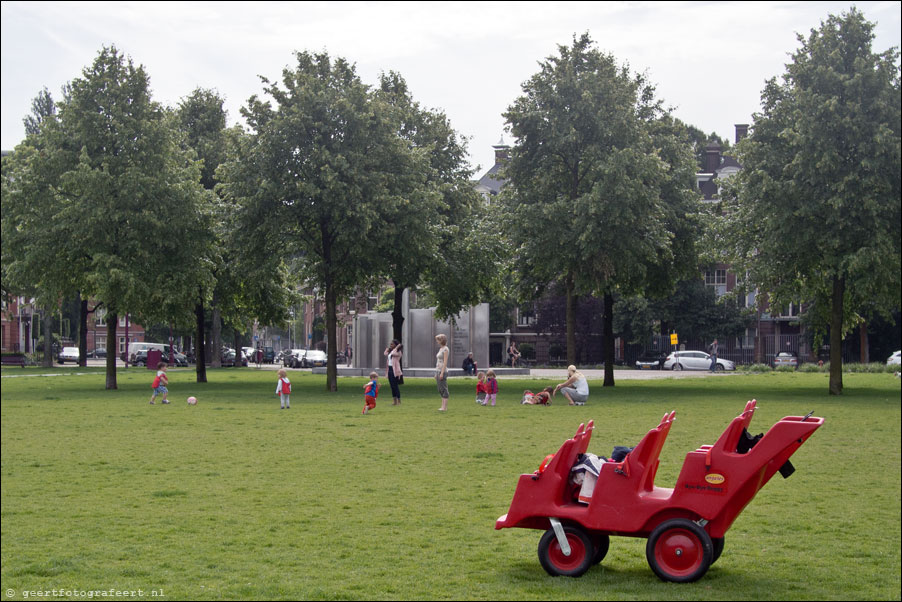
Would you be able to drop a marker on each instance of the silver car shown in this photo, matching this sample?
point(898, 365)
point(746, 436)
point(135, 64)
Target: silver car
point(695, 360)
point(68, 354)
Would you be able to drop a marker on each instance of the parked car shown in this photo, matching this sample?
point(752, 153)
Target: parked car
point(68, 354)
point(230, 359)
point(98, 353)
point(269, 355)
point(650, 362)
point(895, 359)
point(313, 359)
point(786, 358)
point(695, 360)
point(177, 359)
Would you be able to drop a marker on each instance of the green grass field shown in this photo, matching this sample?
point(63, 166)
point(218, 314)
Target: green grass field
point(236, 499)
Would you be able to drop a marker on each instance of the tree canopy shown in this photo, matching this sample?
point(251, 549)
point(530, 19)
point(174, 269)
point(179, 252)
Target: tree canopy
point(817, 215)
point(320, 172)
point(600, 184)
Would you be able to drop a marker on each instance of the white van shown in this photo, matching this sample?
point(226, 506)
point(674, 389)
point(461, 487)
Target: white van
point(134, 348)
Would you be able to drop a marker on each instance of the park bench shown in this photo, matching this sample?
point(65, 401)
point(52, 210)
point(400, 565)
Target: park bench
point(13, 360)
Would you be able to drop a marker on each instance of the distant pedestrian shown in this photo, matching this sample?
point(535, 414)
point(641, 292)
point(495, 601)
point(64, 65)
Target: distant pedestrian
point(513, 354)
point(441, 370)
point(160, 383)
point(712, 349)
point(283, 390)
point(469, 365)
point(393, 369)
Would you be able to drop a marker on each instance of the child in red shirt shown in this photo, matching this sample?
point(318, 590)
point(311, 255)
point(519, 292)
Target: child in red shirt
point(370, 393)
point(481, 389)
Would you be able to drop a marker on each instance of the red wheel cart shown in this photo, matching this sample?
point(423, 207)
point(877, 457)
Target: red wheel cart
point(685, 526)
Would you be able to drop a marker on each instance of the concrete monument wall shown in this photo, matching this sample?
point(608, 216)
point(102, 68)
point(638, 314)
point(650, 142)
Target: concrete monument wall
point(470, 332)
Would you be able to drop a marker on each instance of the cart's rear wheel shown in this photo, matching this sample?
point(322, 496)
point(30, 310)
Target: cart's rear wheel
point(602, 542)
point(679, 550)
point(556, 563)
point(717, 542)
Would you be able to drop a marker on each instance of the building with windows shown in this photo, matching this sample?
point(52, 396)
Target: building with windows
point(775, 329)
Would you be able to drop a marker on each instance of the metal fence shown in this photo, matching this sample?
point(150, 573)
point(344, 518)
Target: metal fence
point(741, 350)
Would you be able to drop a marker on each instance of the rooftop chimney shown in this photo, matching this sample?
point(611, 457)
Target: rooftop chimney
point(742, 130)
point(712, 157)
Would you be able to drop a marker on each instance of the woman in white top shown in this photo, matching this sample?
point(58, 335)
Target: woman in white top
point(441, 369)
point(575, 388)
point(393, 369)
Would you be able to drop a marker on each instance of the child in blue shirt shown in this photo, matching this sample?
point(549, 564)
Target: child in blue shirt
point(370, 393)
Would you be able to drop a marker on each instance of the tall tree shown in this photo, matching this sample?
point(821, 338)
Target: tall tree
point(201, 117)
point(601, 186)
point(818, 208)
point(129, 199)
point(321, 170)
point(32, 262)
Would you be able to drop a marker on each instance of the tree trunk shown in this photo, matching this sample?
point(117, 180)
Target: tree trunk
point(112, 346)
point(571, 321)
point(216, 335)
point(200, 353)
point(48, 337)
point(608, 340)
point(83, 334)
point(836, 315)
point(332, 338)
point(397, 315)
point(865, 344)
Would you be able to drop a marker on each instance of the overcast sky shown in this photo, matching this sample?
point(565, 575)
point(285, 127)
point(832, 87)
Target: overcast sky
point(709, 60)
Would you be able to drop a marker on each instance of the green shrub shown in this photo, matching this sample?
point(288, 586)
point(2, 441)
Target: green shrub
point(758, 368)
point(785, 369)
point(810, 368)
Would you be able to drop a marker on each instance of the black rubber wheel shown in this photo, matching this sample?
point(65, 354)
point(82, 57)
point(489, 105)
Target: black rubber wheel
point(679, 550)
point(602, 542)
point(718, 368)
point(717, 542)
point(556, 563)
point(677, 366)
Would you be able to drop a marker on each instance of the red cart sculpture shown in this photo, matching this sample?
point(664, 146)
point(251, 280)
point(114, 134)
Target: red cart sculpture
point(685, 526)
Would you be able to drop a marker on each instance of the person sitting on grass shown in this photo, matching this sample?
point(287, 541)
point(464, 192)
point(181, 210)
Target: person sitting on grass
point(575, 388)
point(543, 397)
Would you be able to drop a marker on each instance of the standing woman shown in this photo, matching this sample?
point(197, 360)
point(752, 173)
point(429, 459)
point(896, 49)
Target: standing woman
point(441, 369)
point(575, 388)
point(393, 369)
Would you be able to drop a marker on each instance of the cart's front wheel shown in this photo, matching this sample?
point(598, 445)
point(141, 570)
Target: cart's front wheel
point(555, 562)
point(679, 550)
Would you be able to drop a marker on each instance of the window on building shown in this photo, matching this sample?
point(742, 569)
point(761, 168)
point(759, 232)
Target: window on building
point(100, 316)
point(748, 340)
point(718, 280)
point(793, 310)
point(526, 317)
